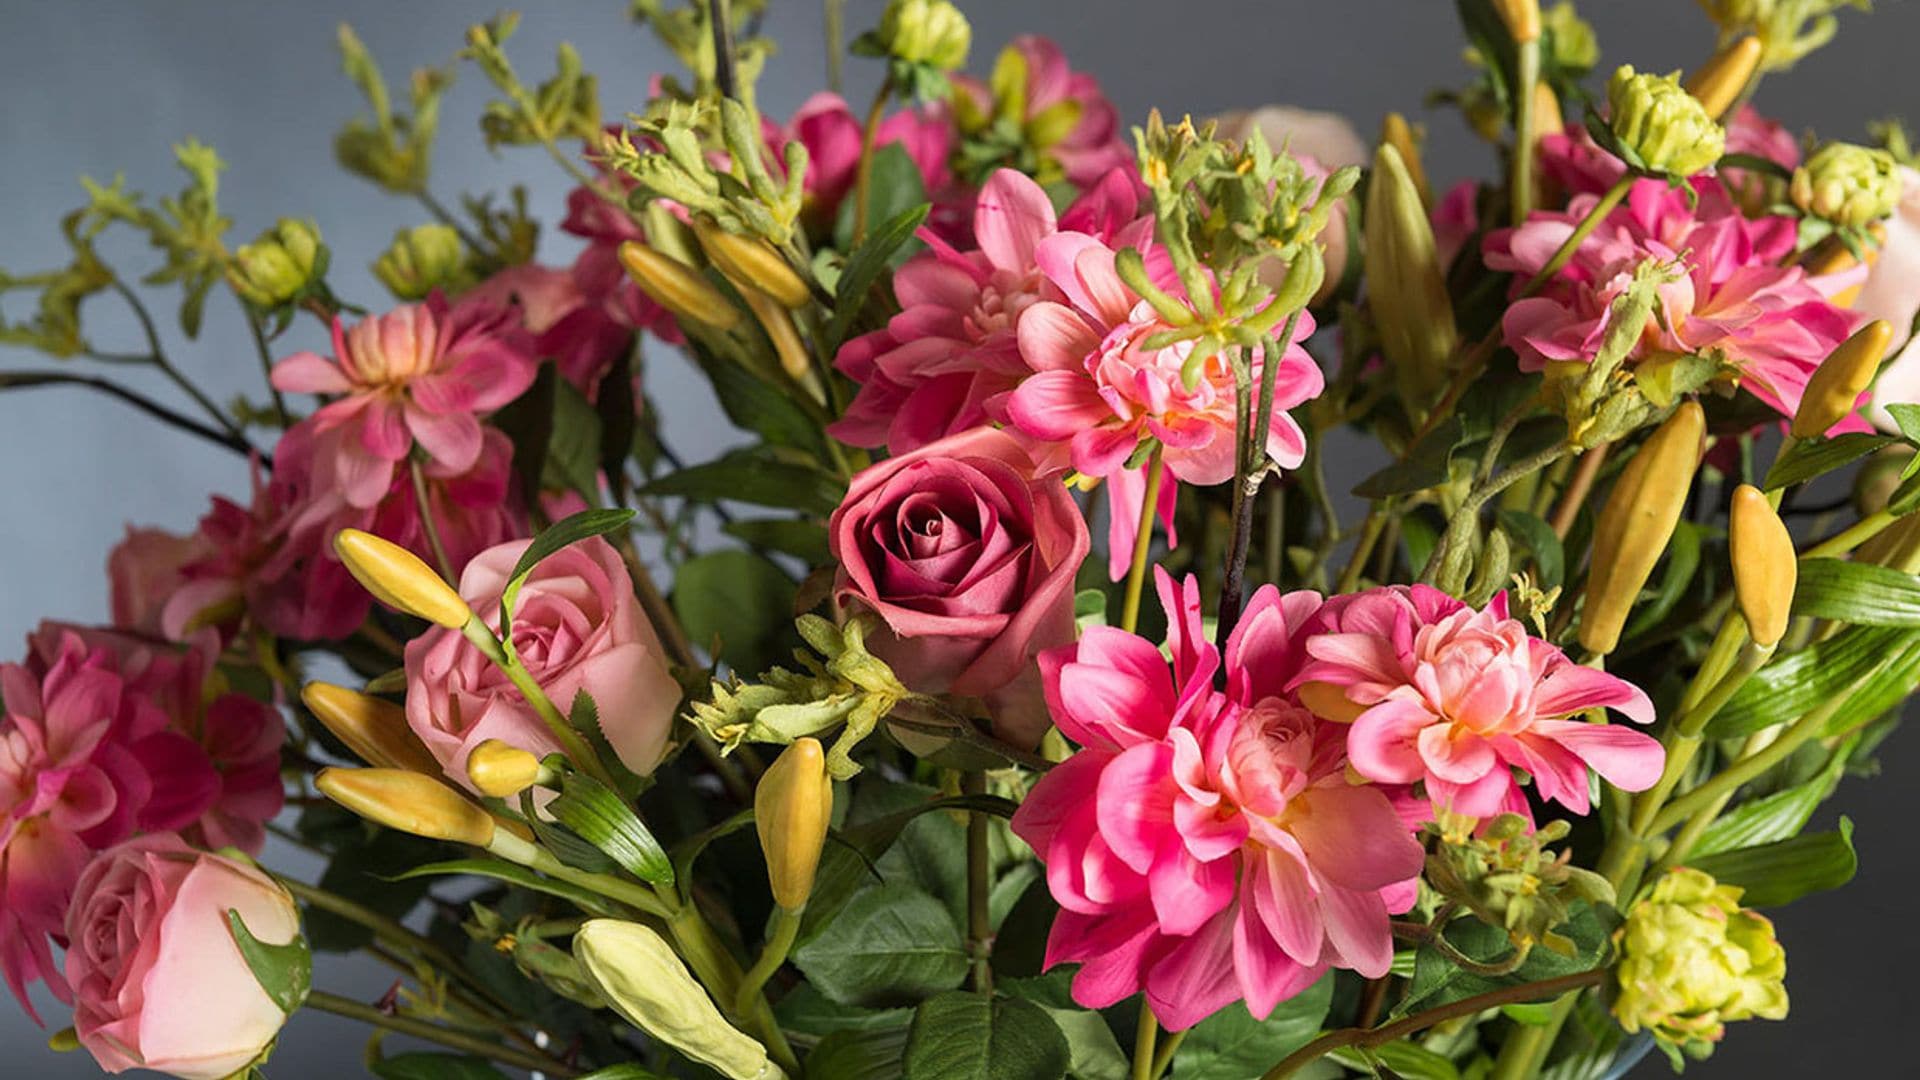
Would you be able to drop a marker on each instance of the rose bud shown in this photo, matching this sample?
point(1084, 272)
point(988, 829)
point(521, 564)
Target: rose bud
point(967, 557)
point(158, 982)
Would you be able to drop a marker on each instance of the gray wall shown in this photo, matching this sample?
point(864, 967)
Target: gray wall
point(95, 88)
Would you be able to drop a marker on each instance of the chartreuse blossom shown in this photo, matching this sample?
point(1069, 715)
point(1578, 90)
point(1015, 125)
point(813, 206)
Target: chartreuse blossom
point(281, 264)
point(422, 259)
point(1789, 29)
point(1849, 185)
point(1692, 959)
point(1659, 126)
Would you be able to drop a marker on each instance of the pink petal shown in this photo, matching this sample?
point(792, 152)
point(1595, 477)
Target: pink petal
point(1381, 742)
point(1357, 928)
point(1010, 219)
point(310, 373)
point(1057, 405)
point(1054, 337)
point(452, 439)
point(1570, 688)
point(1195, 979)
point(1628, 759)
point(1136, 795)
point(1353, 838)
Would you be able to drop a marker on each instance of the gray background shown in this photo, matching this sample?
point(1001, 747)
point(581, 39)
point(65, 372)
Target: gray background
point(95, 88)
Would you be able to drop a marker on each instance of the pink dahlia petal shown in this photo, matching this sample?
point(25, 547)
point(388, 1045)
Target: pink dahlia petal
point(1057, 406)
point(452, 439)
point(1136, 805)
point(1354, 839)
point(1628, 759)
point(1054, 337)
point(1010, 219)
point(310, 373)
point(1195, 978)
point(1383, 741)
point(1268, 976)
point(1570, 688)
point(1358, 930)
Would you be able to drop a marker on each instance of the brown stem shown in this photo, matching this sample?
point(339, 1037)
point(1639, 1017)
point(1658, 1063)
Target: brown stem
point(1577, 490)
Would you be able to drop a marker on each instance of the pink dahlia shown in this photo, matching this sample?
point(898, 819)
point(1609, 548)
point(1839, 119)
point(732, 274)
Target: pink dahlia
point(424, 373)
point(575, 319)
point(1456, 699)
point(1207, 846)
point(1062, 114)
point(1773, 322)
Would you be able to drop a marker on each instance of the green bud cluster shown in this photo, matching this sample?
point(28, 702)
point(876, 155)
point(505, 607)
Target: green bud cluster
point(282, 264)
point(1788, 29)
point(1659, 127)
point(1848, 185)
point(422, 259)
point(1506, 876)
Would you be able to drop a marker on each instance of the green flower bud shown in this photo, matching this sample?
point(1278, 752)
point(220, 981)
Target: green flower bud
point(1505, 875)
point(1574, 46)
point(930, 32)
point(1788, 29)
point(1411, 309)
point(1693, 959)
point(422, 259)
point(1848, 185)
point(1663, 128)
point(636, 971)
point(279, 265)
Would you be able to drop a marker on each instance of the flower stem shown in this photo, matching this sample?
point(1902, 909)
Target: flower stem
point(1577, 490)
point(1255, 421)
point(434, 1033)
point(1520, 193)
point(780, 936)
point(979, 887)
point(1144, 1037)
point(576, 749)
point(266, 366)
point(863, 176)
point(1584, 229)
point(427, 523)
point(1142, 542)
point(158, 357)
point(25, 380)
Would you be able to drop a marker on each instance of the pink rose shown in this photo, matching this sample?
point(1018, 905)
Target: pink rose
point(158, 982)
point(969, 559)
point(577, 627)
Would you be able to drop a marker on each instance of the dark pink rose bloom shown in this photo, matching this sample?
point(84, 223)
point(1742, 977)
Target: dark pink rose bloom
point(968, 559)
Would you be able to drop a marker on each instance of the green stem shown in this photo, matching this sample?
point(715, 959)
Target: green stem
point(1144, 1036)
point(1163, 1057)
point(1142, 543)
point(1729, 780)
point(979, 887)
point(434, 1033)
point(571, 744)
point(1580, 233)
point(1520, 197)
point(834, 17)
point(863, 177)
point(780, 936)
point(1370, 530)
point(427, 523)
point(1852, 537)
point(1335, 1040)
point(266, 365)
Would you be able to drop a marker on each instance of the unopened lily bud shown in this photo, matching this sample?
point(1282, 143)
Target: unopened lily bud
point(1397, 133)
point(751, 263)
point(1636, 523)
point(422, 259)
point(1411, 309)
point(1547, 117)
point(1836, 385)
point(502, 771)
point(1719, 82)
point(677, 287)
point(397, 578)
point(791, 807)
point(1765, 565)
point(1522, 19)
point(1848, 185)
point(638, 974)
point(374, 729)
point(409, 802)
point(1691, 959)
point(1832, 255)
point(930, 32)
point(279, 265)
point(777, 321)
point(1661, 126)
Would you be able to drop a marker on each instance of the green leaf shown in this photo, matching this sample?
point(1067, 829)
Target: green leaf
point(514, 874)
point(1682, 561)
point(753, 476)
point(964, 1036)
point(1786, 870)
point(1859, 593)
point(617, 422)
point(1424, 465)
point(1093, 1052)
point(1907, 415)
point(602, 818)
point(568, 530)
point(852, 1054)
point(754, 404)
point(805, 1009)
point(622, 1072)
point(423, 1065)
point(1408, 1061)
point(1778, 816)
point(573, 451)
point(1794, 684)
point(528, 421)
point(284, 971)
point(1539, 540)
point(1232, 1045)
point(804, 540)
point(1879, 693)
point(1807, 459)
point(865, 267)
point(363, 870)
point(890, 945)
point(739, 598)
point(1437, 980)
point(852, 859)
point(894, 188)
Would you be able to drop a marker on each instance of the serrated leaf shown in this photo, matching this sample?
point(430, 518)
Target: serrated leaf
point(890, 945)
point(864, 268)
point(855, 1054)
point(424, 1065)
point(1859, 593)
point(1232, 1045)
point(602, 818)
point(1786, 870)
point(739, 599)
point(1093, 1052)
point(963, 1036)
point(284, 971)
point(1816, 457)
point(573, 451)
point(1792, 685)
point(1437, 980)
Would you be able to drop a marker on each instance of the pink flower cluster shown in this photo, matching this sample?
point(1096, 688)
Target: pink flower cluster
point(1208, 845)
point(106, 736)
point(1036, 331)
point(1738, 295)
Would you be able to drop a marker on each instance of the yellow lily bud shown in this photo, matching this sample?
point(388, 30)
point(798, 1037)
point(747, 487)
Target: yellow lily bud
point(409, 802)
point(1838, 382)
point(64, 1041)
point(1717, 84)
point(1831, 256)
point(1522, 18)
point(1547, 117)
point(1410, 305)
point(777, 321)
point(751, 264)
point(500, 770)
point(397, 578)
point(1765, 566)
point(1636, 523)
point(374, 729)
point(639, 975)
point(676, 287)
point(1397, 133)
point(791, 808)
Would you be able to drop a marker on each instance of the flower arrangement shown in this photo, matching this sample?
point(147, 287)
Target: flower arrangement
point(855, 752)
